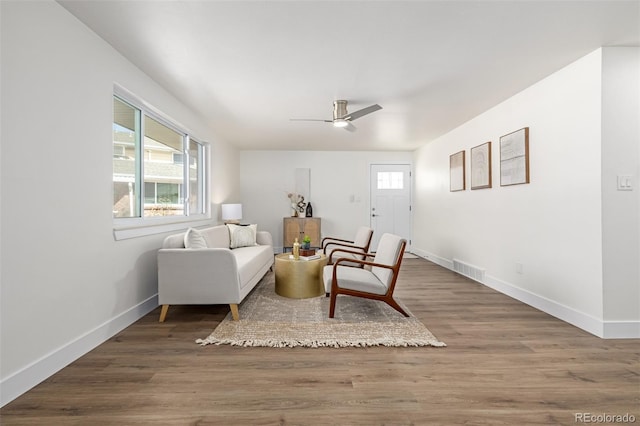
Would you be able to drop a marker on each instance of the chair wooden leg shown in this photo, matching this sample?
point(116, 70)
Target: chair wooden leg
point(395, 306)
point(332, 304)
point(234, 311)
point(163, 312)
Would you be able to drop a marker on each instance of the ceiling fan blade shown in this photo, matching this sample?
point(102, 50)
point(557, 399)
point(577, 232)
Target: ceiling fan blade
point(350, 127)
point(310, 119)
point(364, 111)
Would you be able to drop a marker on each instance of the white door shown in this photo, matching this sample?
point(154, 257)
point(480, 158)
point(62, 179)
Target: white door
point(390, 188)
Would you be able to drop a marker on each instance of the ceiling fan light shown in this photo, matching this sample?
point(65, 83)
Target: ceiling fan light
point(340, 122)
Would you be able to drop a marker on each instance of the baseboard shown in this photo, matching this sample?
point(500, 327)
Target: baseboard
point(433, 258)
point(21, 381)
point(588, 323)
point(565, 313)
point(622, 329)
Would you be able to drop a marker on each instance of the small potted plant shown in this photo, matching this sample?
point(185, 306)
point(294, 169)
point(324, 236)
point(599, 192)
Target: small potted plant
point(306, 243)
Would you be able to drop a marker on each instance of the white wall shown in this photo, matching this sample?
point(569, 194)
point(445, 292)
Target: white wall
point(224, 184)
point(66, 285)
point(552, 226)
point(621, 209)
point(339, 187)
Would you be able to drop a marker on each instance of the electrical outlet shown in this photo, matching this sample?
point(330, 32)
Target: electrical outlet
point(519, 268)
point(625, 183)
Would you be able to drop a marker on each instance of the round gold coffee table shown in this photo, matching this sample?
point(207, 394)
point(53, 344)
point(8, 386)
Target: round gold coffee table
point(299, 279)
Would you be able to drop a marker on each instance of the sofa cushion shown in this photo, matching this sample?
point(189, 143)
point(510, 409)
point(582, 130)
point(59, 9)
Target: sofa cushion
point(173, 241)
point(216, 236)
point(193, 239)
point(242, 235)
point(251, 260)
point(354, 279)
point(387, 254)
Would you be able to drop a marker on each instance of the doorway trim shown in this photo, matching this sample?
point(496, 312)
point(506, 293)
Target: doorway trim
point(405, 167)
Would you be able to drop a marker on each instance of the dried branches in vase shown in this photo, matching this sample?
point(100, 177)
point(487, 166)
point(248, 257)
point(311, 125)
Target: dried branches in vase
point(297, 204)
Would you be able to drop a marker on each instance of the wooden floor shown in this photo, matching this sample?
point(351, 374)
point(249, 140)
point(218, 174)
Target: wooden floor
point(505, 364)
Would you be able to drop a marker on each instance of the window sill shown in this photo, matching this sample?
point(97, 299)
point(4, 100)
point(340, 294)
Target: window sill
point(137, 228)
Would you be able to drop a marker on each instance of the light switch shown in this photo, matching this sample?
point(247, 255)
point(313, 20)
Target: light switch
point(625, 183)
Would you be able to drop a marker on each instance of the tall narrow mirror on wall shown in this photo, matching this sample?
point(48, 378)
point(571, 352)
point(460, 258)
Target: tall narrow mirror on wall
point(302, 183)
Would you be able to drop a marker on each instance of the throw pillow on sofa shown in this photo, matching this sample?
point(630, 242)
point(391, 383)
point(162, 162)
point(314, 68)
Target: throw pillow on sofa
point(193, 239)
point(242, 235)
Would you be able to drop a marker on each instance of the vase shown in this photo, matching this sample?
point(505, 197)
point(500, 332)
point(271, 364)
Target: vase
point(309, 212)
point(296, 249)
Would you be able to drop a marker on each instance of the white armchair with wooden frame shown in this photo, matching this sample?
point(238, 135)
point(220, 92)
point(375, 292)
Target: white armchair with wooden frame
point(377, 282)
point(354, 249)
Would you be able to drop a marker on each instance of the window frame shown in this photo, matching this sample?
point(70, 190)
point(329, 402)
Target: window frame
point(132, 227)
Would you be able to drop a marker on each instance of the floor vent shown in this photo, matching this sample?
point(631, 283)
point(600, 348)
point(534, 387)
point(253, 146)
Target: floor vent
point(468, 270)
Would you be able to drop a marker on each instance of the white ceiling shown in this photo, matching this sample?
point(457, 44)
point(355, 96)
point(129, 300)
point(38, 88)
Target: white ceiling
point(250, 66)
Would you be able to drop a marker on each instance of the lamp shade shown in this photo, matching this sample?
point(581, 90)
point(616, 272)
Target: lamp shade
point(231, 212)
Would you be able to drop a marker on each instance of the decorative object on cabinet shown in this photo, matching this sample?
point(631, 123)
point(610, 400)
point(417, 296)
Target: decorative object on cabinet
point(231, 213)
point(309, 212)
point(514, 158)
point(297, 204)
point(298, 227)
point(457, 177)
point(481, 166)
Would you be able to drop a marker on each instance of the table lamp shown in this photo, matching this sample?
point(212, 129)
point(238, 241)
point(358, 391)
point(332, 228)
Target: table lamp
point(231, 213)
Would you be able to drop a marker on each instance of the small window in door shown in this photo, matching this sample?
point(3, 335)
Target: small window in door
point(390, 180)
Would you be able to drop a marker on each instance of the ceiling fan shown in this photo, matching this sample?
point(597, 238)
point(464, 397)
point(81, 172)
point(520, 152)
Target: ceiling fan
point(342, 118)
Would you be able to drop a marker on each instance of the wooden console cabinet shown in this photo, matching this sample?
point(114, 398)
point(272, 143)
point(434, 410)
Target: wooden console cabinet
point(298, 227)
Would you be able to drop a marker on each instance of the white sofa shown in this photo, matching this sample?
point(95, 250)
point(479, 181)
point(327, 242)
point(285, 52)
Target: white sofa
point(216, 274)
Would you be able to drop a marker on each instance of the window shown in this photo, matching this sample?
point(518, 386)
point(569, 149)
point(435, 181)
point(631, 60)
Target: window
point(196, 178)
point(390, 180)
point(126, 142)
point(158, 169)
point(162, 176)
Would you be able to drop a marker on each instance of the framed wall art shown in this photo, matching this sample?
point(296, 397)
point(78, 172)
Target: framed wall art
point(456, 172)
point(514, 158)
point(481, 166)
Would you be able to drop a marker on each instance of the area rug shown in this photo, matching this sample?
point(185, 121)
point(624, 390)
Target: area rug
point(267, 319)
